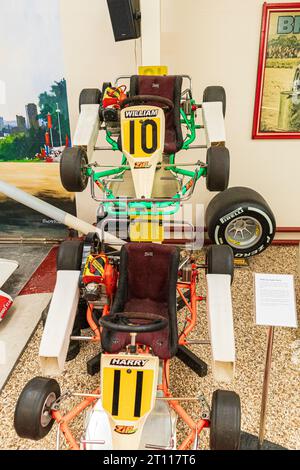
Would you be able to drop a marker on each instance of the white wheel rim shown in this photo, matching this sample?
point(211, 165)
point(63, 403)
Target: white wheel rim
point(243, 232)
point(46, 411)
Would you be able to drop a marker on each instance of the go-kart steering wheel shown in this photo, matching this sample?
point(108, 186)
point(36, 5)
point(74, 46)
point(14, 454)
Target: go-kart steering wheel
point(166, 104)
point(132, 322)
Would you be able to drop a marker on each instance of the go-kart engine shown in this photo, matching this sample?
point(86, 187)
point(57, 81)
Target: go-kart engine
point(99, 280)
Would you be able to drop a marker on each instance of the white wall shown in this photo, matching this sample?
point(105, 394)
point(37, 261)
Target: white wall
point(216, 42)
point(91, 57)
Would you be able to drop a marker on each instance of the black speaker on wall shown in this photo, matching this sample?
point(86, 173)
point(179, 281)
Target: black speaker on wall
point(125, 17)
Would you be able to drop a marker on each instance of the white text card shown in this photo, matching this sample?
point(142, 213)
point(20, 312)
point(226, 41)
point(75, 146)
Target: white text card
point(275, 300)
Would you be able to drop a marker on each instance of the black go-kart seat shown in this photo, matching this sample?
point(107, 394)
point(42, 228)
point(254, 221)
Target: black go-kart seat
point(147, 284)
point(168, 86)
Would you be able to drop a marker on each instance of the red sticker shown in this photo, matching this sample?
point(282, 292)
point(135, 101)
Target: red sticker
point(5, 304)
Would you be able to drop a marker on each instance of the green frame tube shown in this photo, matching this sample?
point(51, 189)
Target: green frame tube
point(149, 208)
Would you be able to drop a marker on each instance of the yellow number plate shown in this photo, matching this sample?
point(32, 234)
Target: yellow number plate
point(141, 136)
point(127, 392)
point(153, 70)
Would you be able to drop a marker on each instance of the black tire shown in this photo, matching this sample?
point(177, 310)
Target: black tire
point(72, 172)
point(69, 256)
point(220, 260)
point(241, 218)
point(215, 93)
point(225, 421)
point(218, 168)
point(29, 421)
point(90, 96)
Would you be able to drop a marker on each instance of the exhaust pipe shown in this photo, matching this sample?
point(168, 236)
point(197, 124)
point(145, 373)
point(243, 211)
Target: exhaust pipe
point(54, 213)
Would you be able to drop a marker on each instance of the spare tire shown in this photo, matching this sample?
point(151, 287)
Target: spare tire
point(241, 218)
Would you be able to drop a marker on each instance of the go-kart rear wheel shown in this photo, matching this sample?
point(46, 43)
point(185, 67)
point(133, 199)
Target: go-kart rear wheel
point(73, 169)
point(33, 419)
point(215, 93)
point(225, 421)
point(218, 168)
point(241, 218)
point(69, 256)
point(90, 96)
point(220, 260)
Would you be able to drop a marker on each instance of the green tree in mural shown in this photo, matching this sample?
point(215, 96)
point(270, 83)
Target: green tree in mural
point(25, 145)
point(48, 102)
point(22, 146)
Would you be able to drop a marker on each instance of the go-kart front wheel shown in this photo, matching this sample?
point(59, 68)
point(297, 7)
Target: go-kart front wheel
point(241, 218)
point(225, 421)
point(220, 260)
point(218, 168)
point(33, 419)
point(73, 169)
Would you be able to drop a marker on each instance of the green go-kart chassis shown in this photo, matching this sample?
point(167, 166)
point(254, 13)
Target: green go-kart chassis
point(157, 208)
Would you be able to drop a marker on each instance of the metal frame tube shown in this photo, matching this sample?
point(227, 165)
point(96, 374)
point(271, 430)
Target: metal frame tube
point(266, 383)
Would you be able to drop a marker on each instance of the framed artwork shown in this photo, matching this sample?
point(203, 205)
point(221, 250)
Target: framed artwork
point(277, 101)
point(34, 117)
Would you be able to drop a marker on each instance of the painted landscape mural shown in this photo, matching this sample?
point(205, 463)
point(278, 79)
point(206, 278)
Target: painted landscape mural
point(34, 118)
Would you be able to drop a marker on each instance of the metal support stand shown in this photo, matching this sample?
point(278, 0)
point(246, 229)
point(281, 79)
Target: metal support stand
point(265, 391)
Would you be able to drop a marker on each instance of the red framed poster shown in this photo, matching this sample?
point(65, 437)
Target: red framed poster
point(277, 101)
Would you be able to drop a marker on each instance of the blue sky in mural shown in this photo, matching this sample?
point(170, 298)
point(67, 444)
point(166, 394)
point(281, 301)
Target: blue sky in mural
point(31, 58)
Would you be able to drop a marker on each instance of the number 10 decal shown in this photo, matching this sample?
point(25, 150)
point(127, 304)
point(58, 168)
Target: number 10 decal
point(148, 136)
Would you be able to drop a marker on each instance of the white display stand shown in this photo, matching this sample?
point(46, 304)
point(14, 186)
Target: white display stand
point(275, 306)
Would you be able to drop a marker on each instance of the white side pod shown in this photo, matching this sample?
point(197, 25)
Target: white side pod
point(214, 123)
point(87, 129)
point(220, 321)
point(59, 324)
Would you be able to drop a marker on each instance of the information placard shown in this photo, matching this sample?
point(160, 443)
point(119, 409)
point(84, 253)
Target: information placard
point(275, 300)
